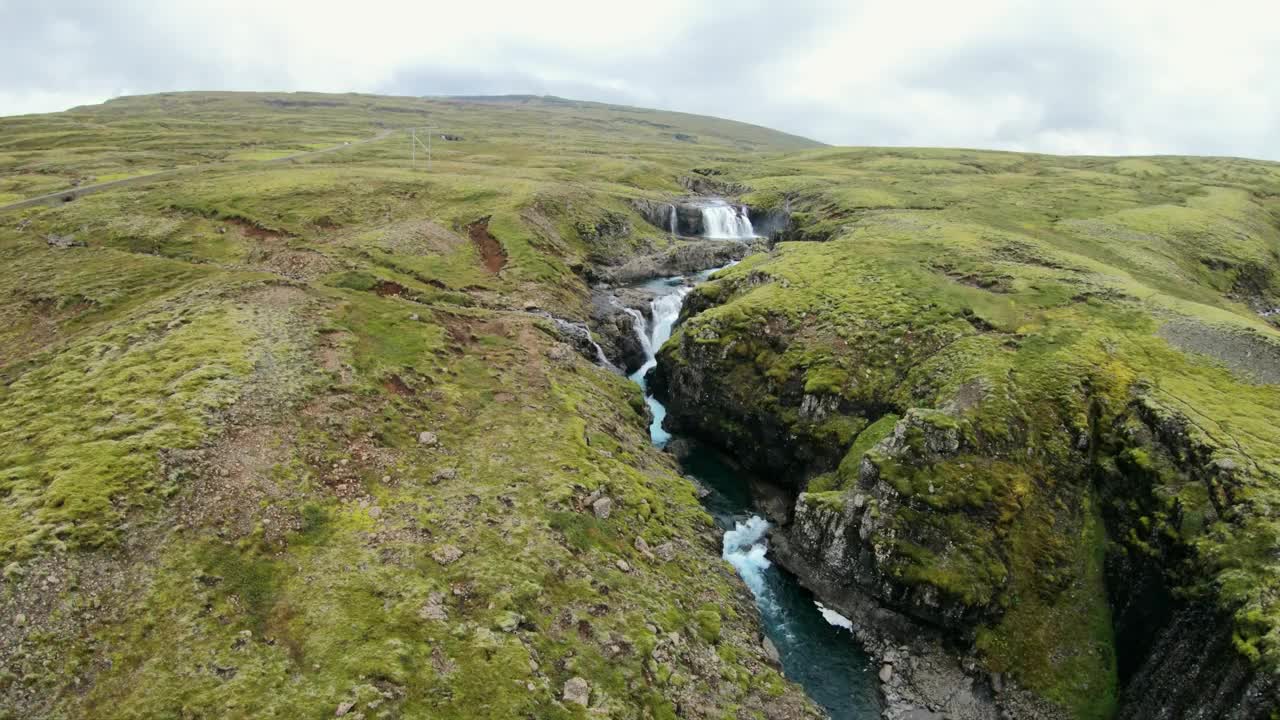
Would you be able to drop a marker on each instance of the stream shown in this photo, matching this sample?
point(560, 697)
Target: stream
point(816, 646)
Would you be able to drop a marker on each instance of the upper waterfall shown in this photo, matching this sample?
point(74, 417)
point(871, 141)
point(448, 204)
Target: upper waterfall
point(722, 221)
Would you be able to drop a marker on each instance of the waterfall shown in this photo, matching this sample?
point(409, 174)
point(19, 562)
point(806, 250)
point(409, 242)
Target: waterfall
point(722, 221)
point(641, 327)
point(601, 359)
point(581, 338)
point(665, 310)
point(672, 223)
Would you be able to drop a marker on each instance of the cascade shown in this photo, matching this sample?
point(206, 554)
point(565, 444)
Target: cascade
point(641, 327)
point(722, 221)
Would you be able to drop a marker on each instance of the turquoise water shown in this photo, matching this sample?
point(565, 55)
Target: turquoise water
point(817, 649)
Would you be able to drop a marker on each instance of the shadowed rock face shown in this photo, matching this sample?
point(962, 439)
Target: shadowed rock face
point(853, 543)
point(1193, 670)
point(615, 328)
point(847, 546)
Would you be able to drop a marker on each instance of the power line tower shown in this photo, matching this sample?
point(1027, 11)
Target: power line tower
point(415, 143)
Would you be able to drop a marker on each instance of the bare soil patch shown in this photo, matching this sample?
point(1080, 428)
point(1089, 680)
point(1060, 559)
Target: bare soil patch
point(492, 254)
point(386, 288)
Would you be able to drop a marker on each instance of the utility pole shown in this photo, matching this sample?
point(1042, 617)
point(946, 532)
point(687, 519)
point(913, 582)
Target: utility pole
point(414, 142)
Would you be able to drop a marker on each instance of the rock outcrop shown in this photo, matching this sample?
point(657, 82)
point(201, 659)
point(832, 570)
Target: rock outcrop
point(614, 326)
point(686, 257)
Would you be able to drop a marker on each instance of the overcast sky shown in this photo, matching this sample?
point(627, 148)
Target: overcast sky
point(1064, 76)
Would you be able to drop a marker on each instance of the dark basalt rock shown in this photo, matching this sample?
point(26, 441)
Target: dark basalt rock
point(615, 328)
point(849, 546)
point(1193, 671)
point(685, 258)
point(658, 214)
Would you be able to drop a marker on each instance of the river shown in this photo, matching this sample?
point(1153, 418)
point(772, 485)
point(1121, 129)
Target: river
point(816, 647)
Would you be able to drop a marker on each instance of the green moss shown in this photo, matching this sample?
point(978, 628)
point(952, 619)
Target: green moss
point(230, 379)
point(868, 438)
point(1070, 658)
point(707, 621)
point(80, 431)
point(825, 379)
point(1018, 311)
point(1014, 297)
point(355, 281)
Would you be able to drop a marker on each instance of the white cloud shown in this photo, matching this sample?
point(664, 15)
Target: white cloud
point(1083, 76)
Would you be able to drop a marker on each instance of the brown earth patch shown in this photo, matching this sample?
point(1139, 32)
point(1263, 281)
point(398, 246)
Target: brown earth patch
point(387, 288)
point(397, 386)
point(33, 323)
point(232, 488)
point(257, 231)
point(492, 254)
point(329, 354)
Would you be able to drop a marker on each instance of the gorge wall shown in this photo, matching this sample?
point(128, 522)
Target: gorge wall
point(990, 443)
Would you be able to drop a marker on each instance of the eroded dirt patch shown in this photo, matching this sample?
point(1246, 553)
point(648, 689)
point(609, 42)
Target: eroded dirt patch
point(34, 322)
point(492, 254)
point(254, 230)
point(288, 262)
point(397, 386)
point(386, 288)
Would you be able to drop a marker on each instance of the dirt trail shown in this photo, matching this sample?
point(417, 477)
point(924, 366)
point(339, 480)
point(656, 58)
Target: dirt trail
point(74, 193)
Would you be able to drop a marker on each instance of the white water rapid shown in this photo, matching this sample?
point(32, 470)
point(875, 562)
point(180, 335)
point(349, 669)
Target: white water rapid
point(746, 547)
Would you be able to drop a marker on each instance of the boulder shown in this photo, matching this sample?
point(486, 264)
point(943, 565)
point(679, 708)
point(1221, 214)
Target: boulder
point(771, 651)
point(577, 691)
point(602, 508)
point(446, 554)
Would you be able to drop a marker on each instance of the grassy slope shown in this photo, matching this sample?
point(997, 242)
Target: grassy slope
point(1030, 297)
point(213, 498)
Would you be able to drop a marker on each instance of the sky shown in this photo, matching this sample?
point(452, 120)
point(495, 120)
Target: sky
point(1058, 76)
